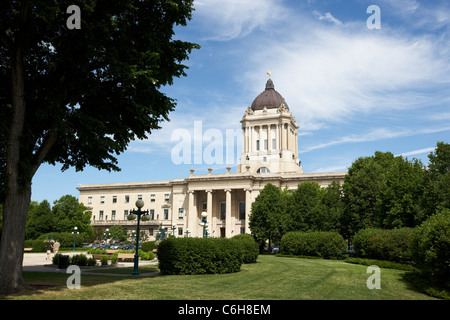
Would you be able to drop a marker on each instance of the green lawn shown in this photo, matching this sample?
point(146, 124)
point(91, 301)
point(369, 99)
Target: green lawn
point(271, 277)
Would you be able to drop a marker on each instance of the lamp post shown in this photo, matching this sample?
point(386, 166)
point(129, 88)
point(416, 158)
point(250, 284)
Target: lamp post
point(106, 234)
point(145, 217)
point(187, 233)
point(174, 227)
point(204, 222)
point(133, 236)
point(74, 232)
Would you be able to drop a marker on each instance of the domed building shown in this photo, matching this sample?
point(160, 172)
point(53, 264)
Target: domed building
point(269, 154)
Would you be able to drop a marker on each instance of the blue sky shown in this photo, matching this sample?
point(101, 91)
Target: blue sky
point(353, 90)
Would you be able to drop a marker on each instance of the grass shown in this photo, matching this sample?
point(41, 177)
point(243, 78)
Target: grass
point(271, 277)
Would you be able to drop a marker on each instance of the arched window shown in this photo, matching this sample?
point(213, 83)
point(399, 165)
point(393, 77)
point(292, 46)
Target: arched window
point(263, 170)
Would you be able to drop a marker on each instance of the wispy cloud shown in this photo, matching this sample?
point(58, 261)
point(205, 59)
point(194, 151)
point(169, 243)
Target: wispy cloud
point(327, 17)
point(416, 152)
point(230, 19)
point(374, 135)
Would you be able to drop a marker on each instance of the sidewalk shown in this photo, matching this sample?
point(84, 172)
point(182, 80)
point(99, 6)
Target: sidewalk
point(37, 262)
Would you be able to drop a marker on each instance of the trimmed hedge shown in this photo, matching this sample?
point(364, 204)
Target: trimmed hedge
point(199, 255)
point(327, 245)
point(391, 245)
point(250, 247)
point(431, 247)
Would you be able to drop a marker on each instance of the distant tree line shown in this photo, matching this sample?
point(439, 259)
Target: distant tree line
point(381, 191)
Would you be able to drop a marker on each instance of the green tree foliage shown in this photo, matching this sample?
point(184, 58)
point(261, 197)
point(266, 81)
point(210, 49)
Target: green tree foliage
point(383, 191)
point(437, 181)
point(431, 247)
point(78, 97)
point(267, 210)
point(65, 214)
point(40, 220)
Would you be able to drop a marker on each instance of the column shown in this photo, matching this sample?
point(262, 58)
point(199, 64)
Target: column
point(269, 139)
point(192, 214)
point(210, 218)
point(248, 207)
point(228, 226)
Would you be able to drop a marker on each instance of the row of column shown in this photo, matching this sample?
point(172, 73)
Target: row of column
point(230, 222)
point(251, 134)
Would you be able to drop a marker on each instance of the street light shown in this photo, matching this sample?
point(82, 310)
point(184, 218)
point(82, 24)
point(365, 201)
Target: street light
point(204, 222)
point(187, 233)
point(145, 217)
point(174, 227)
point(106, 233)
point(133, 236)
point(74, 232)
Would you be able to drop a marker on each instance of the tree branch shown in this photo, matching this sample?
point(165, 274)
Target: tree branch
point(44, 149)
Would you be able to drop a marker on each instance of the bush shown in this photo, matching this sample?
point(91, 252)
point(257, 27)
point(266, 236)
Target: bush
point(391, 245)
point(65, 239)
point(148, 246)
point(104, 260)
point(199, 255)
point(39, 246)
point(79, 260)
point(249, 246)
point(91, 262)
point(431, 247)
point(146, 255)
point(327, 245)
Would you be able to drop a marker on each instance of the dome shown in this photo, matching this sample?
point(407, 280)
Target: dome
point(269, 98)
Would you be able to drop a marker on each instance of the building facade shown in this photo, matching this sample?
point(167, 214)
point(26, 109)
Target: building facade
point(269, 154)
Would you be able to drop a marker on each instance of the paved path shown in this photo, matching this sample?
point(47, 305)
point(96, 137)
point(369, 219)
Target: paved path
point(38, 262)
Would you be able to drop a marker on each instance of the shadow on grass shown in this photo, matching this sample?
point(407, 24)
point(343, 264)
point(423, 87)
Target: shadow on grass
point(418, 282)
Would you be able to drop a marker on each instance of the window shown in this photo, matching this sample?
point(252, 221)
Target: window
point(127, 199)
point(152, 198)
point(265, 144)
point(152, 214)
point(102, 199)
point(242, 211)
point(125, 214)
point(242, 230)
point(113, 215)
point(100, 215)
point(180, 231)
point(166, 214)
point(205, 206)
point(274, 143)
point(263, 170)
point(167, 197)
point(150, 231)
point(257, 145)
point(139, 196)
point(114, 199)
point(89, 200)
point(180, 213)
point(223, 211)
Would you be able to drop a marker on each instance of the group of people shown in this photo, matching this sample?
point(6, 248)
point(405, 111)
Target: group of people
point(54, 248)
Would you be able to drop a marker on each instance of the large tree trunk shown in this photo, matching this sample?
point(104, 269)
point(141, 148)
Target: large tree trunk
point(18, 195)
point(15, 211)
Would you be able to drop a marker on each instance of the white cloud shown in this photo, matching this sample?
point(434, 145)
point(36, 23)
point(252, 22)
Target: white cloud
point(327, 17)
point(229, 19)
point(333, 74)
point(416, 152)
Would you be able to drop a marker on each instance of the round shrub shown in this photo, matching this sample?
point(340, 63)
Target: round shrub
point(79, 260)
point(148, 246)
point(391, 245)
point(431, 247)
point(199, 255)
point(249, 246)
point(327, 245)
point(39, 246)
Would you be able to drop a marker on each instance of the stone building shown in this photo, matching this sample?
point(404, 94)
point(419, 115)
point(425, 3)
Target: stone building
point(269, 154)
